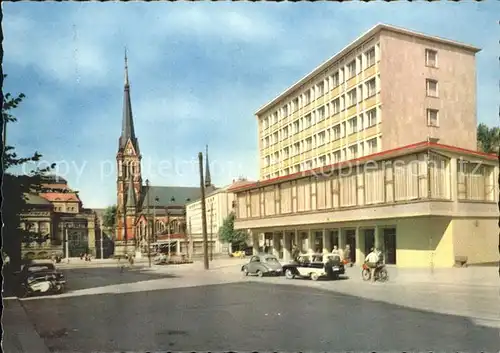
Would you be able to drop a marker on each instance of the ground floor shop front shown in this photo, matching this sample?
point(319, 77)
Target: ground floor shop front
point(405, 242)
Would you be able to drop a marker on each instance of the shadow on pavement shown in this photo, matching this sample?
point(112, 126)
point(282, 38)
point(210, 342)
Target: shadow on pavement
point(85, 278)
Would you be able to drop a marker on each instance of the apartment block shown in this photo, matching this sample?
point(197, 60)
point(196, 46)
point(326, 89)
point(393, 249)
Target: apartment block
point(391, 87)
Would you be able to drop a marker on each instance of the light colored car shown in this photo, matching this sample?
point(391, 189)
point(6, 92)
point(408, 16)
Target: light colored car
point(315, 266)
point(262, 264)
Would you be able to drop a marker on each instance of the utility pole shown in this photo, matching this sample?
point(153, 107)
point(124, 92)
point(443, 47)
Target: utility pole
point(211, 232)
point(203, 213)
point(148, 234)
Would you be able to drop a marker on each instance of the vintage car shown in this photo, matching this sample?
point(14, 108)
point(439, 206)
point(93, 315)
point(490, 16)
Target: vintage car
point(262, 264)
point(40, 278)
point(315, 266)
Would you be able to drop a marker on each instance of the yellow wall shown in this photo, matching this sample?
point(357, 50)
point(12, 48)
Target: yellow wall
point(424, 242)
point(477, 239)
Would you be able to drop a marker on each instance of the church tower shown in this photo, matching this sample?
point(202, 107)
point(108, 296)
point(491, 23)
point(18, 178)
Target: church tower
point(128, 166)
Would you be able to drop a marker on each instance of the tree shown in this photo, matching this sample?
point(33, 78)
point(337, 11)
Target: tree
point(16, 187)
point(109, 218)
point(228, 234)
point(488, 139)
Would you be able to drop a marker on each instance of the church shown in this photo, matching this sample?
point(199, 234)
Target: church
point(144, 209)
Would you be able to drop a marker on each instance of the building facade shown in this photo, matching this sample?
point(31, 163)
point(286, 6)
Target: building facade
point(362, 152)
point(423, 205)
point(57, 214)
point(364, 99)
point(219, 204)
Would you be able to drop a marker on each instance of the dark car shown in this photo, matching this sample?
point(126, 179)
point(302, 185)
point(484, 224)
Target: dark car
point(262, 264)
point(31, 275)
point(315, 266)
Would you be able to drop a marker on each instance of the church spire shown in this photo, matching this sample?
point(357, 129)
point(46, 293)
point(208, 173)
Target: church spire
point(208, 179)
point(128, 131)
point(126, 69)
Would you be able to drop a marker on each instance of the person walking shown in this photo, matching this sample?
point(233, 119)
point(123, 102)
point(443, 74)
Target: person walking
point(347, 255)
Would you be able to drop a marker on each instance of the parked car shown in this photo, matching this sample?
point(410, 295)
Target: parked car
point(315, 266)
point(40, 278)
point(262, 264)
point(238, 254)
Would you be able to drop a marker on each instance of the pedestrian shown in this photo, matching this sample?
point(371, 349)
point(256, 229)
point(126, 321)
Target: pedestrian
point(295, 252)
point(347, 255)
point(335, 250)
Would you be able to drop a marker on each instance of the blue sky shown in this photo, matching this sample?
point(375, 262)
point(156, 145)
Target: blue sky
point(198, 73)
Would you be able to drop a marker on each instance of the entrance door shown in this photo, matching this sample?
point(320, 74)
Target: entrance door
point(77, 242)
point(350, 239)
point(390, 246)
point(369, 240)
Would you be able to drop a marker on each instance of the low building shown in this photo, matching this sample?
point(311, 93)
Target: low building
point(57, 214)
point(219, 204)
point(423, 205)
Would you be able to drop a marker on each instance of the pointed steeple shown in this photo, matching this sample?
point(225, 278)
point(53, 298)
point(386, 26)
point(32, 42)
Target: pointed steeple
point(128, 131)
point(208, 178)
point(131, 200)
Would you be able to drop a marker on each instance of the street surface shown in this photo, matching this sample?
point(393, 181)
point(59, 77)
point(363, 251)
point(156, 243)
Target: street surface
point(186, 308)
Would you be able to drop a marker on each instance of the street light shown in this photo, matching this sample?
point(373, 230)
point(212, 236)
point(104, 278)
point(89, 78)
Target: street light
point(211, 232)
point(155, 232)
point(172, 200)
point(66, 246)
point(102, 237)
point(147, 228)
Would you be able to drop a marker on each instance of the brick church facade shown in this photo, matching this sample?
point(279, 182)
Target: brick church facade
point(145, 209)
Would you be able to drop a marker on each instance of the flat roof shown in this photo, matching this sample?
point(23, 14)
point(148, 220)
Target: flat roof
point(400, 151)
point(374, 30)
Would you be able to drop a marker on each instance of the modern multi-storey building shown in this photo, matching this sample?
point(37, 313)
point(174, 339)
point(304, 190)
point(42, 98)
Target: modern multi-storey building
point(388, 88)
point(377, 147)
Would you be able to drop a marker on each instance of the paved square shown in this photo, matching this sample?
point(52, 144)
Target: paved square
point(247, 316)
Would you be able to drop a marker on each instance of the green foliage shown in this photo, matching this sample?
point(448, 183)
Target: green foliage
point(109, 217)
point(228, 234)
point(488, 139)
point(15, 187)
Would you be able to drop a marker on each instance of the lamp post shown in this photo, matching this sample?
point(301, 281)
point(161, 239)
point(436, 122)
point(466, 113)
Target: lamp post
point(102, 237)
point(211, 232)
point(190, 242)
point(66, 245)
point(148, 237)
point(155, 232)
point(172, 200)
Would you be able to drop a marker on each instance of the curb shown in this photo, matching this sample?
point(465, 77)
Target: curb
point(20, 335)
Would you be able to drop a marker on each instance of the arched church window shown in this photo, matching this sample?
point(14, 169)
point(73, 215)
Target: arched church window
point(125, 170)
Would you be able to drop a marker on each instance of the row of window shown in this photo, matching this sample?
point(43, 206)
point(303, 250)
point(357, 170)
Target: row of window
point(330, 134)
point(68, 209)
point(431, 86)
point(352, 152)
point(335, 106)
point(354, 67)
